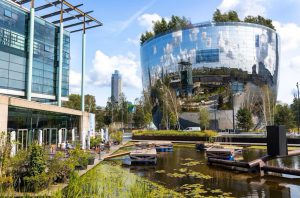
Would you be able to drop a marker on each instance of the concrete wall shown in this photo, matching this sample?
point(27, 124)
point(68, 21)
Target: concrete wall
point(3, 113)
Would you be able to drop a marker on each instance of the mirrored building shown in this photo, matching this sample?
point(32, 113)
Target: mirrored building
point(242, 56)
point(250, 47)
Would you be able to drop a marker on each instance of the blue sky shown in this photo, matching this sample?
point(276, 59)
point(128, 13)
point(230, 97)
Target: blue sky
point(116, 45)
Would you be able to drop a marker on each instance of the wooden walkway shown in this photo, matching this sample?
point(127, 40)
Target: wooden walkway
point(259, 165)
point(116, 155)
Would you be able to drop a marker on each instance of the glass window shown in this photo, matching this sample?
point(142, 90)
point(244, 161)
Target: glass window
point(3, 64)
point(3, 82)
point(17, 59)
point(3, 73)
point(37, 80)
point(37, 88)
point(37, 72)
point(17, 67)
point(16, 76)
point(7, 13)
point(4, 56)
point(15, 84)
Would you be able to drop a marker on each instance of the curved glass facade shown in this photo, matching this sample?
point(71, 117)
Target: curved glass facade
point(251, 48)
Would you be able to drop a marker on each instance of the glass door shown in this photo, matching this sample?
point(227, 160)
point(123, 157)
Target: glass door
point(22, 139)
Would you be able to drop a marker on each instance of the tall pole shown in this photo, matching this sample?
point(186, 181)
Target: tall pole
point(298, 102)
point(83, 66)
point(216, 114)
point(30, 55)
point(61, 40)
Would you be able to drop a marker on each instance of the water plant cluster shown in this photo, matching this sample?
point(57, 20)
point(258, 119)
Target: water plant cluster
point(196, 189)
point(108, 179)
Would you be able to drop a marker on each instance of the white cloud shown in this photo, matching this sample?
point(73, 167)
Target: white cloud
point(104, 66)
point(290, 60)
point(134, 41)
point(75, 81)
point(147, 20)
point(244, 7)
point(128, 22)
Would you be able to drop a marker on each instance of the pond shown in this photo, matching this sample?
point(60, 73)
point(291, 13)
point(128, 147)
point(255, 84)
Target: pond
point(185, 170)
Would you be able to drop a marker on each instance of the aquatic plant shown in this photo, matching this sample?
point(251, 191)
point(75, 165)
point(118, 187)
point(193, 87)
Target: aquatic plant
point(110, 180)
point(176, 175)
point(191, 163)
point(160, 171)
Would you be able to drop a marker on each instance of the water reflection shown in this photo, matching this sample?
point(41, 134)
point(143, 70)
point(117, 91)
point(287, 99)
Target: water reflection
point(239, 184)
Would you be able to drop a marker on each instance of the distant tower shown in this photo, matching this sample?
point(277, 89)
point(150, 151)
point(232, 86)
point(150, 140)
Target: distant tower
point(116, 86)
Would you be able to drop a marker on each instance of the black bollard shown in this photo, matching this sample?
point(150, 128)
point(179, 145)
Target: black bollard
point(276, 140)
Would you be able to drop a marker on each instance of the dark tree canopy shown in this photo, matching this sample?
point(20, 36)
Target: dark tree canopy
point(284, 116)
point(244, 119)
point(232, 16)
point(162, 26)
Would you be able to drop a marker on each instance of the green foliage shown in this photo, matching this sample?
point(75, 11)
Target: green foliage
point(244, 119)
point(108, 180)
point(146, 36)
point(5, 148)
point(95, 141)
point(284, 116)
point(37, 160)
point(162, 26)
point(29, 168)
point(75, 102)
point(232, 16)
point(37, 182)
point(117, 136)
point(259, 20)
point(79, 157)
point(60, 167)
point(148, 118)
point(139, 116)
point(204, 118)
point(295, 107)
point(207, 133)
point(173, 120)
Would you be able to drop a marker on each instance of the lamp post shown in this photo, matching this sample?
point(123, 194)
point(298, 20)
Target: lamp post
point(298, 116)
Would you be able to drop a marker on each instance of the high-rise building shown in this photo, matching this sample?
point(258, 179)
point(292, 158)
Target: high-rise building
point(116, 86)
point(34, 73)
point(14, 58)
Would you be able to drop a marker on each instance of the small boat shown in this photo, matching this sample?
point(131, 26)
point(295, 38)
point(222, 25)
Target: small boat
point(143, 156)
point(220, 153)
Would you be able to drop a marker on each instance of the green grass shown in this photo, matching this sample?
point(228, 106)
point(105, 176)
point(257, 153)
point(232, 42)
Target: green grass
point(110, 180)
point(207, 133)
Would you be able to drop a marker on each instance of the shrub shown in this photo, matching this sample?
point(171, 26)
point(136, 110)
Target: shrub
point(95, 141)
point(5, 182)
point(117, 136)
point(37, 182)
point(60, 167)
point(79, 157)
point(29, 169)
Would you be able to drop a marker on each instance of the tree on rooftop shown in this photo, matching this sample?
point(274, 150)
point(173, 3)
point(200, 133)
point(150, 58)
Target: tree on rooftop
point(260, 20)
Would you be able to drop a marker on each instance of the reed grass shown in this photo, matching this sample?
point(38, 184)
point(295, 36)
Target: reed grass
point(110, 180)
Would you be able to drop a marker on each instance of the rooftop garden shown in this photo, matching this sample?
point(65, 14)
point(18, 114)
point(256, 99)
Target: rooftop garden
point(232, 16)
point(177, 23)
